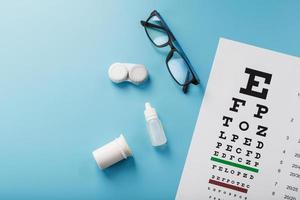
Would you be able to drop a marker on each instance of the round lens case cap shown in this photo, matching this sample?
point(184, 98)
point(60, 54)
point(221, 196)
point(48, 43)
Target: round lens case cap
point(138, 73)
point(118, 73)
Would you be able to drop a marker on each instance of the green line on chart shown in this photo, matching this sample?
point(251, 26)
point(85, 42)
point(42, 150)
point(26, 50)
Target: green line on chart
point(226, 162)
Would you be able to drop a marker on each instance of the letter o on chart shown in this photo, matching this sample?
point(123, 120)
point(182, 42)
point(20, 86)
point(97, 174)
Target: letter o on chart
point(244, 125)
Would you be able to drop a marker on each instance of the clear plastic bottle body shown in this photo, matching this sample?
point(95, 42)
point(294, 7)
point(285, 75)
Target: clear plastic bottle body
point(156, 132)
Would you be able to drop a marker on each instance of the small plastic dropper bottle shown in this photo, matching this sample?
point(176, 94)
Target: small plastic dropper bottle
point(155, 129)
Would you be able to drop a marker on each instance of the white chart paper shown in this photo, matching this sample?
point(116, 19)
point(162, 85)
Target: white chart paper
point(246, 143)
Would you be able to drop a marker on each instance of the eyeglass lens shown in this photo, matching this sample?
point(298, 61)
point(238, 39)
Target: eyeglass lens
point(179, 69)
point(158, 36)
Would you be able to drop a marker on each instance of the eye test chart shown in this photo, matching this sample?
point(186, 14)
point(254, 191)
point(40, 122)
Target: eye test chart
point(246, 143)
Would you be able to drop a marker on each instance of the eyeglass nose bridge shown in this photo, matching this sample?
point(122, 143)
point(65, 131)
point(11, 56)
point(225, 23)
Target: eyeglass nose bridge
point(170, 54)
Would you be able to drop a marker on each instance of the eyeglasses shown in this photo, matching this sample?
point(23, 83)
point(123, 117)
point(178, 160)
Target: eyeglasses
point(177, 62)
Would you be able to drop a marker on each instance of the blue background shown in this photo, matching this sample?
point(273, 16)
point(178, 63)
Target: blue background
point(57, 104)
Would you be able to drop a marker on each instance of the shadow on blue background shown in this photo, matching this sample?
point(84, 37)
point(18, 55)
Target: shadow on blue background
point(125, 85)
point(127, 166)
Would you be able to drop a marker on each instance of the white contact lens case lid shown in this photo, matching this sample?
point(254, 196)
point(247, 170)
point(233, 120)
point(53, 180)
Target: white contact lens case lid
point(134, 73)
point(118, 73)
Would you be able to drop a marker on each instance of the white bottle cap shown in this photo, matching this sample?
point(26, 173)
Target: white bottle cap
point(112, 152)
point(149, 112)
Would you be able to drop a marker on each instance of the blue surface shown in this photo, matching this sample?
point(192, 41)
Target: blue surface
point(57, 104)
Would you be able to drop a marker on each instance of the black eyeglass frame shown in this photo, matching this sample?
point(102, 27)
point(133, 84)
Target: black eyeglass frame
point(175, 47)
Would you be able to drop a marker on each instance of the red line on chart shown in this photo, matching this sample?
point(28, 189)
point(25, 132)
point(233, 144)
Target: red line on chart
point(226, 185)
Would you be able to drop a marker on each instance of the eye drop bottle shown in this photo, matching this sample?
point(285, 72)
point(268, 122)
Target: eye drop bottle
point(155, 129)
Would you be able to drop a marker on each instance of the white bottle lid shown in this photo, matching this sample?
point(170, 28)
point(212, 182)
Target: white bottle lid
point(112, 152)
point(150, 112)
